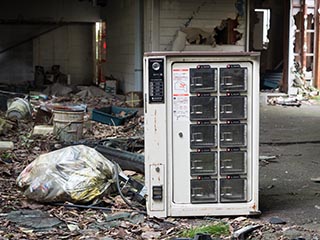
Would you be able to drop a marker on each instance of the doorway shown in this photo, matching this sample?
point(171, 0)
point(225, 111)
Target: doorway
point(100, 51)
point(267, 36)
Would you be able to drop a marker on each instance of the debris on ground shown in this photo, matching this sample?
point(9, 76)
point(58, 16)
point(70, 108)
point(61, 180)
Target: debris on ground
point(113, 115)
point(302, 91)
point(42, 130)
point(58, 89)
point(91, 91)
point(78, 174)
point(315, 179)
point(265, 160)
point(284, 101)
point(304, 87)
point(6, 145)
point(268, 158)
point(243, 233)
point(277, 220)
point(34, 220)
point(125, 152)
point(18, 108)
point(134, 99)
point(110, 217)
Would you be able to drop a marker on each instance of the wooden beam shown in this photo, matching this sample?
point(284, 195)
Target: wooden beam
point(286, 22)
point(304, 9)
point(317, 46)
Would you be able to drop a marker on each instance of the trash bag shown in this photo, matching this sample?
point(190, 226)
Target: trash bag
point(77, 174)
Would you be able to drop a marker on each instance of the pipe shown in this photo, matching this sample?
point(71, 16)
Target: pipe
point(126, 160)
point(138, 45)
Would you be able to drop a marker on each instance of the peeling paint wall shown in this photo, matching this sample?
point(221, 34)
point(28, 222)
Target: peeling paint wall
point(162, 21)
point(302, 49)
point(180, 16)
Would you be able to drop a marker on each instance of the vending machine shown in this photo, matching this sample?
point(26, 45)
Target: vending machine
point(201, 133)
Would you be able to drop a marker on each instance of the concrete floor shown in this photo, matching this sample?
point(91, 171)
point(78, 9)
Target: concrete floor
point(286, 190)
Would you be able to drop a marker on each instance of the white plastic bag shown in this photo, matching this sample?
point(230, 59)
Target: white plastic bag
point(78, 174)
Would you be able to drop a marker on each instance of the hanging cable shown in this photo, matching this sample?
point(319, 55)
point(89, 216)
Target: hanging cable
point(120, 192)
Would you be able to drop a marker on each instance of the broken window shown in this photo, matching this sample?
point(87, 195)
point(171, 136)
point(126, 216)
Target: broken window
point(199, 36)
point(226, 33)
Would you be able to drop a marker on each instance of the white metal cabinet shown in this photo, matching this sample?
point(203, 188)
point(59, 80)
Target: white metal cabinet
point(201, 133)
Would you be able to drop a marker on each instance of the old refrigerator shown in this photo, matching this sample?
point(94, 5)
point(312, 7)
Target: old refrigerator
point(201, 133)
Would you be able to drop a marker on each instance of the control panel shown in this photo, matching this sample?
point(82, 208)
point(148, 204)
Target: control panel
point(156, 80)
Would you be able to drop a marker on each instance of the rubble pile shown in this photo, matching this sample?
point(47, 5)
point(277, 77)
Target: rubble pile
point(304, 87)
point(95, 130)
point(305, 92)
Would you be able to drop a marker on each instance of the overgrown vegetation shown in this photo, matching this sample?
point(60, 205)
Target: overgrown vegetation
point(6, 156)
point(26, 140)
point(217, 229)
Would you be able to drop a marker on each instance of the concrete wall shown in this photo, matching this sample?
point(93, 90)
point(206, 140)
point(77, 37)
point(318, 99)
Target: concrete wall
point(120, 19)
point(16, 62)
point(16, 65)
point(70, 47)
point(49, 10)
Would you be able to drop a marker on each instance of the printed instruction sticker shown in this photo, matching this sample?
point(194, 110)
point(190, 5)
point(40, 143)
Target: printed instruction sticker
point(181, 108)
point(180, 81)
point(180, 77)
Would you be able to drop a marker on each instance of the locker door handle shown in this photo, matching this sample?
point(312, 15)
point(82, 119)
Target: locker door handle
point(227, 108)
point(227, 81)
point(196, 82)
point(197, 109)
point(180, 134)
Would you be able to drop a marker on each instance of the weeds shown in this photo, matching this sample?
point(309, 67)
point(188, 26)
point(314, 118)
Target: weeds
point(217, 229)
